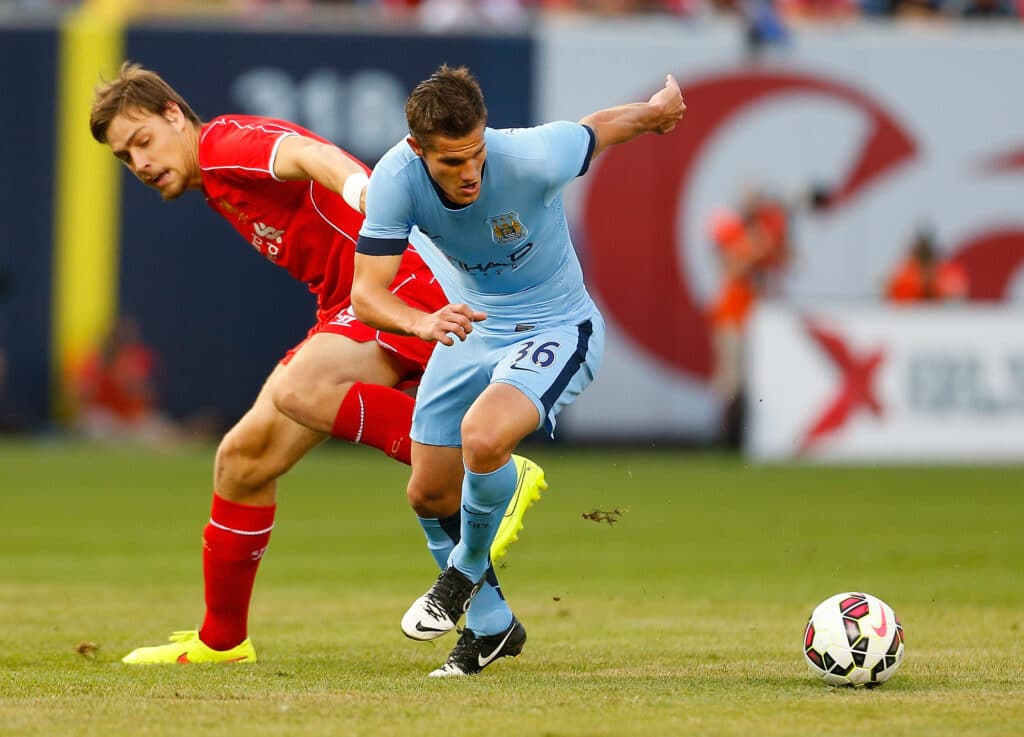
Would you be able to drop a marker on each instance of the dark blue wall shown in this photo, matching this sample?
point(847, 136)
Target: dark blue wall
point(28, 64)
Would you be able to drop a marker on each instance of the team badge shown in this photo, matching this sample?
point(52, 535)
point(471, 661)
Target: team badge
point(507, 228)
point(232, 210)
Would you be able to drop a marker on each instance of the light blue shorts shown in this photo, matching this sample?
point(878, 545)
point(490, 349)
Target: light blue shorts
point(550, 365)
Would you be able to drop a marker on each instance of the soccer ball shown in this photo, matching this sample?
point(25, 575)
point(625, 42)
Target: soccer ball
point(853, 639)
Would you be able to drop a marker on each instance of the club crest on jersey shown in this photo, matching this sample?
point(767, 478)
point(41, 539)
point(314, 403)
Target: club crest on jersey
point(232, 210)
point(507, 228)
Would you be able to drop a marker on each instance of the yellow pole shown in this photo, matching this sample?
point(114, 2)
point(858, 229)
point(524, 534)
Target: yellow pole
point(88, 198)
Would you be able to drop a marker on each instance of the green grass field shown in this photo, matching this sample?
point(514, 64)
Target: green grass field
point(685, 617)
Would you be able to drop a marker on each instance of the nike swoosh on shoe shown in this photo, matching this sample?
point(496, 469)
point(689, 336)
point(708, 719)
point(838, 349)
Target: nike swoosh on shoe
point(421, 628)
point(484, 662)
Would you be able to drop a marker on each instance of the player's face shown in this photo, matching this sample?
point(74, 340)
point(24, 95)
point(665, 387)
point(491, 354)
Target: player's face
point(159, 149)
point(455, 164)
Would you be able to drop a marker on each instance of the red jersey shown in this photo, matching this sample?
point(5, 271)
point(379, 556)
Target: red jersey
point(299, 225)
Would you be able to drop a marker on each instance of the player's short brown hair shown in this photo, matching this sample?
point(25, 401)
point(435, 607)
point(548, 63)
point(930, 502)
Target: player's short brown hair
point(448, 103)
point(135, 88)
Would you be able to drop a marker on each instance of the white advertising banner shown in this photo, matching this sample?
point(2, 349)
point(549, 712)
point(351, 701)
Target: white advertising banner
point(907, 127)
point(915, 384)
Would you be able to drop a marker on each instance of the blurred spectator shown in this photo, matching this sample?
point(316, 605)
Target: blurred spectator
point(35, 6)
point(987, 9)
point(922, 9)
point(753, 250)
point(610, 7)
point(441, 15)
point(925, 277)
point(116, 390)
point(257, 6)
point(466, 12)
point(764, 24)
point(817, 10)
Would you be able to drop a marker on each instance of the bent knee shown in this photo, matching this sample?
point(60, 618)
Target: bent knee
point(484, 446)
point(433, 499)
point(313, 404)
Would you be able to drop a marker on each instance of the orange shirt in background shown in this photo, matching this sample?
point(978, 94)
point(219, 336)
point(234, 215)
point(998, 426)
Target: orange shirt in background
point(120, 384)
point(750, 250)
point(914, 282)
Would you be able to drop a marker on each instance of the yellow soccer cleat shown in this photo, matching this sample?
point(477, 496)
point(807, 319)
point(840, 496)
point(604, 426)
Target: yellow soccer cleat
point(186, 647)
point(528, 490)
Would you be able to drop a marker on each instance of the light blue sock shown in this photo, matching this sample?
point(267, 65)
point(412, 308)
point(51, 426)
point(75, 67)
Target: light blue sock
point(484, 498)
point(488, 613)
point(439, 542)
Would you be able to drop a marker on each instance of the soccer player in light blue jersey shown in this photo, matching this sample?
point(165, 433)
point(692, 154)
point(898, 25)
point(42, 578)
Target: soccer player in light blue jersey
point(522, 338)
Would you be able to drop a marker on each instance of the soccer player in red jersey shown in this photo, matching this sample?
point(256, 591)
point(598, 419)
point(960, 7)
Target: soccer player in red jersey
point(296, 198)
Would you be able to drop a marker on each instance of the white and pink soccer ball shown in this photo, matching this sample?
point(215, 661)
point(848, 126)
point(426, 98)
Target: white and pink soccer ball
point(853, 639)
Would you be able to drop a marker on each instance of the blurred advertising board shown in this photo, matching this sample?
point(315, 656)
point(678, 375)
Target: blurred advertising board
point(904, 129)
point(913, 384)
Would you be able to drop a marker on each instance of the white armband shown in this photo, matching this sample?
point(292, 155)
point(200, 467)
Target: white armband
point(352, 191)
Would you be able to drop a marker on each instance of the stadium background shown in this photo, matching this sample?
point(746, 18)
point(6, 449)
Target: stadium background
point(890, 117)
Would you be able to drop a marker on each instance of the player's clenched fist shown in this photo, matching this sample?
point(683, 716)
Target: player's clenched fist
point(451, 320)
point(670, 101)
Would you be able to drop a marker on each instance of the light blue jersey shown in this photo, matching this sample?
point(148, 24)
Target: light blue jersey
point(510, 252)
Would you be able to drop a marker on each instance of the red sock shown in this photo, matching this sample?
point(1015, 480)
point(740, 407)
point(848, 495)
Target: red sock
point(233, 544)
point(378, 416)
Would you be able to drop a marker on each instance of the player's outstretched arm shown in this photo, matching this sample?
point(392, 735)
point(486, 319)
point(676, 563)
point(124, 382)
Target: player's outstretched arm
point(623, 123)
point(304, 158)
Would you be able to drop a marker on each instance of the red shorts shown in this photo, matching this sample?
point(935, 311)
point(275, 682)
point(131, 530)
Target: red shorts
point(418, 288)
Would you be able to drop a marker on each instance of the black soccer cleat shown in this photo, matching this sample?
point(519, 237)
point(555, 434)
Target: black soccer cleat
point(472, 654)
point(439, 610)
